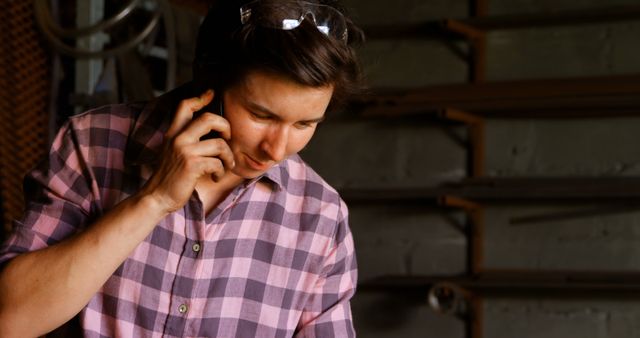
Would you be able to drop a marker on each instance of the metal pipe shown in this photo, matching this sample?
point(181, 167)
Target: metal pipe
point(170, 32)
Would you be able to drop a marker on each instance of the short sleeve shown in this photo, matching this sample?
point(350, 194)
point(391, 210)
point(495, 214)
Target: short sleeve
point(328, 310)
point(58, 198)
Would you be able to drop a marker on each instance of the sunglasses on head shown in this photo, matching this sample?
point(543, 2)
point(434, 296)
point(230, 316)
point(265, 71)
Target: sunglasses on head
point(288, 15)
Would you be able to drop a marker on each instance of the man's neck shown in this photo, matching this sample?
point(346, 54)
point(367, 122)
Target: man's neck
point(213, 193)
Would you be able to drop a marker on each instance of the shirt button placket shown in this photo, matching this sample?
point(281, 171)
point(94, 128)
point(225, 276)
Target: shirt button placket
point(196, 247)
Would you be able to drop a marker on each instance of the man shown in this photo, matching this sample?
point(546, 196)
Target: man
point(142, 224)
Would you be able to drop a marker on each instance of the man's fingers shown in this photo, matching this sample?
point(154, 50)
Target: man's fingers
point(214, 167)
point(205, 123)
point(215, 148)
point(186, 108)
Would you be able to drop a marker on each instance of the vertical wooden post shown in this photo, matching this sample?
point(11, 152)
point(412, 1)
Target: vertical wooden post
point(475, 256)
point(476, 138)
point(478, 74)
point(477, 71)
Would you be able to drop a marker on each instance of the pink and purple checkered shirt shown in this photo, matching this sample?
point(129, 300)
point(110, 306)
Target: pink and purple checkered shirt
point(274, 259)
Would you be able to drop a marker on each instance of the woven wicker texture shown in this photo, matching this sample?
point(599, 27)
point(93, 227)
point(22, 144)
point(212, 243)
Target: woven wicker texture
point(24, 93)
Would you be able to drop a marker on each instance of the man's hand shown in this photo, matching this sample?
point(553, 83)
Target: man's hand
point(186, 158)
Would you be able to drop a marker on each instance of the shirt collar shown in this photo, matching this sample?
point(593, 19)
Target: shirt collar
point(278, 174)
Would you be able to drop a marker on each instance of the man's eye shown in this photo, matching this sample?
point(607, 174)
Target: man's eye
point(303, 125)
point(261, 116)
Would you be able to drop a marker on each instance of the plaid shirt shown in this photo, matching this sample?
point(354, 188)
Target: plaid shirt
point(274, 259)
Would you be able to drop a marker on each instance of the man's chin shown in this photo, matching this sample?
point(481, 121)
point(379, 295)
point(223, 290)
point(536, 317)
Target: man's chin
point(246, 173)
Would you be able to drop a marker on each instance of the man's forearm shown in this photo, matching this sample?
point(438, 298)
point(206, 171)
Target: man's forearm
point(41, 290)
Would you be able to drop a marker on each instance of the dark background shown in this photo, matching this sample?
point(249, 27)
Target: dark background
point(492, 174)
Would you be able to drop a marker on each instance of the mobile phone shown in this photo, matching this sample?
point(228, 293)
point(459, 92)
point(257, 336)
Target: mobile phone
point(216, 107)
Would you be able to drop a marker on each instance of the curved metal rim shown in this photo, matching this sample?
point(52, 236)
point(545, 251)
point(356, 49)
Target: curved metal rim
point(44, 18)
point(54, 34)
point(83, 53)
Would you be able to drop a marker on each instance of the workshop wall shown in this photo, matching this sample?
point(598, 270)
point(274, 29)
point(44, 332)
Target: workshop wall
point(422, 240)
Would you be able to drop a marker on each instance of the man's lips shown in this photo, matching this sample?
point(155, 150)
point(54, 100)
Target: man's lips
point(256, 165)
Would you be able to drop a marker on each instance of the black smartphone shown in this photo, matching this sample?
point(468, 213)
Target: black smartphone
point(215, 107)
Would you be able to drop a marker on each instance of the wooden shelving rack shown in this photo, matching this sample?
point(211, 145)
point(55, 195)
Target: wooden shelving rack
point(472, 103)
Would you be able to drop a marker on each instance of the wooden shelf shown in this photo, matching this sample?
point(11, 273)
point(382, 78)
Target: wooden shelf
point(199, 7)
point(556, 18)
point(596, 189)
point(520, 283)
point(576, 189)
point(468, 28)
point(471, 103)
point(580, 97)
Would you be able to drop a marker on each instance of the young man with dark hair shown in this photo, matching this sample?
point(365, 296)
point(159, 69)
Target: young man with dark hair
point(193, 215)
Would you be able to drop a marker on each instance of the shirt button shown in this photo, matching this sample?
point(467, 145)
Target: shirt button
point(183, 308)
point(196, 247)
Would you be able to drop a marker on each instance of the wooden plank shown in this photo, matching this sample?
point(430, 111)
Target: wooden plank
point(553, 188)
point(593, 96)
point(440, 28)
point(557, 18)
point(569, 189)
point(200, 7)
point(521, 283)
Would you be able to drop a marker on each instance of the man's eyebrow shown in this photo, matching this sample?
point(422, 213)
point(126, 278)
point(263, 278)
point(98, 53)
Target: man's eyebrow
point(257, 107)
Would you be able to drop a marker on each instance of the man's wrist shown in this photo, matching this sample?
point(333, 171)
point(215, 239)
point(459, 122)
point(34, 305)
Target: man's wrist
point(151, 205)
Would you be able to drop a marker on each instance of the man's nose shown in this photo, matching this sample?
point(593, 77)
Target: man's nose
point(275, 144)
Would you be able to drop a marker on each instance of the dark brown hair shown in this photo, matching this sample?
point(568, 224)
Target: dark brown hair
point(227, 50)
